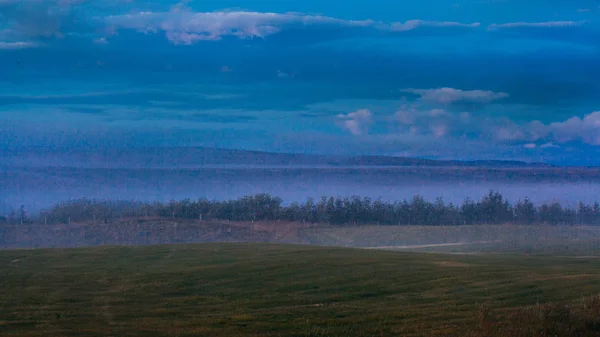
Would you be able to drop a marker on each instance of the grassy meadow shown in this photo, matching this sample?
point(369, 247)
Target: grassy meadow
point(241, 289)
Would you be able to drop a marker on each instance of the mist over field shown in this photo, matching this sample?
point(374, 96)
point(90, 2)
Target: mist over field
point(39, 178)
point(38, 188)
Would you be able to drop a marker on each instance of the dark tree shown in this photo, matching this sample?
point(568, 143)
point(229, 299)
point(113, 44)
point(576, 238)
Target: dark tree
point(525, 212)
point(493, 208)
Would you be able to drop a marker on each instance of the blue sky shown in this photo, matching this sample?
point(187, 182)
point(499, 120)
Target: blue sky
point(460, 79)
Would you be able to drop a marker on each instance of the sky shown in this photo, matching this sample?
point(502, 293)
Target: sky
point(445, 79)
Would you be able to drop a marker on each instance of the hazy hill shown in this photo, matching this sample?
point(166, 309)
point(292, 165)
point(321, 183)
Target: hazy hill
point(190, 157)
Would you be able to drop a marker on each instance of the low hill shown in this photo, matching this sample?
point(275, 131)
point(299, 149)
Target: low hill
point(146, 231)
point(274, 290)
point(531, 239)
point(194, 157)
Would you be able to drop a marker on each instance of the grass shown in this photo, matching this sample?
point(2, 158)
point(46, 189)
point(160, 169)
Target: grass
point(275, 290)
point(484, 238)
point(581, 319)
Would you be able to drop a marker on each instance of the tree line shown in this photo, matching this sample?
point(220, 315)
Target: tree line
point(492, 208)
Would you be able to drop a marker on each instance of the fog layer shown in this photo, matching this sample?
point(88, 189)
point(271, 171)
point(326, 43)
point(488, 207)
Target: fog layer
point(38, 188)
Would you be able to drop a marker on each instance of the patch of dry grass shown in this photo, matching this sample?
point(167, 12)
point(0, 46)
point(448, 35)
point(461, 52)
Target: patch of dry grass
point(542, 320)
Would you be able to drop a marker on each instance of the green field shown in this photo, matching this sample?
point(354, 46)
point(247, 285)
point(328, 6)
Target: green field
point(274, 290)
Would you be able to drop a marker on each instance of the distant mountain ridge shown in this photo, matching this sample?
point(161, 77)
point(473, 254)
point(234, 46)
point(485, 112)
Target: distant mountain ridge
point(190, 157)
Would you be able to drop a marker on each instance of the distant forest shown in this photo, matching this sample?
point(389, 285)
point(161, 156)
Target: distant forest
point(493, 208)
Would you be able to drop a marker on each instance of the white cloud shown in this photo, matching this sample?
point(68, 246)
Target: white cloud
point(586, 129)
point(17, 45)
point(575, 129)
point(182, 26)
point(451, 95)
point(415, 120)
point(357, 122)
point(186, 27)
point(547, 24)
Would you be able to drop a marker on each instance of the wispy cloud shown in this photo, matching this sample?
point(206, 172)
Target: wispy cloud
point(413, 24)
point(101, 41)
point(220, 96)
point(183, 26)
point(546, 24)
point(451, 95)
point(548, 145)
point(17, 45)
point(406, 115)
point(439, 130)
point(283, 74)
point(76, 95)
point(186, 27)
point(36, 18)
point(44, 19)
point(60, 3)
point(416, 121)
point(508, 133)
